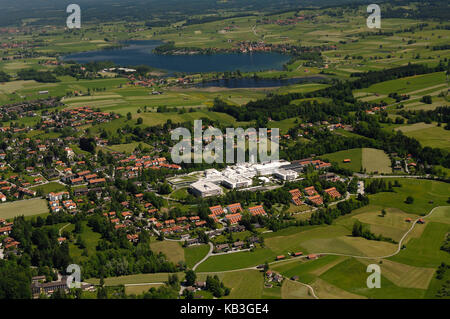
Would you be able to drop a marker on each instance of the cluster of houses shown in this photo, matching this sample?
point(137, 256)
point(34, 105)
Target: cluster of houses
point(131, 166)
point(27, 108)
point(76, 117)
point(8, 244)
point(312, 196)
point(14, 188)
point(232, 214)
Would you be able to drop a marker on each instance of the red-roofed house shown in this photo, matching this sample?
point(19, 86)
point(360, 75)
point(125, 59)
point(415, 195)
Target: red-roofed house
point(257, 210)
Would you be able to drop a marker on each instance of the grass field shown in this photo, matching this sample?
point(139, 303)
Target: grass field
point(409, 85)
point(307, 270)
point(294, 290)
point(403, 275)
point(140, 289)
point(376, 161)
point(135, 279)
point(425, 251)
point(24, 207)
point(426, 193)
point(369, 159)
point(194, 254)
point(392, 225)
point(171, 249)
point(351, 276)
point(355, 155)
point(246, 284)
point(50, 187)
point(428, 134)
point(325, 290)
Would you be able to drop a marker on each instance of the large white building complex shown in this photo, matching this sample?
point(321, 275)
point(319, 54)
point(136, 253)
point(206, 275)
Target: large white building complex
point(240, 176)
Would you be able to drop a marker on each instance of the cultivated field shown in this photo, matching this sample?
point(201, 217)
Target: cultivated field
point(368, 159)
point(24, 207)
point(428, 134)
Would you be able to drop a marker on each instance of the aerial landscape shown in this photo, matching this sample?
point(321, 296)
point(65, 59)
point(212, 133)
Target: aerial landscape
point(119, 178)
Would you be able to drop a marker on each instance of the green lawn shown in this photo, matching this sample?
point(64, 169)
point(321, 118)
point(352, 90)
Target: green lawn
point(355, 155)
point(194, 254)
point(428, 135)
point(50, 187)
point(351, 276)
point(135, 279)
point(29, 207)
point(425, 251)
point(407, 85)
point(171, 249)
point(423, 191)
point(369, 159)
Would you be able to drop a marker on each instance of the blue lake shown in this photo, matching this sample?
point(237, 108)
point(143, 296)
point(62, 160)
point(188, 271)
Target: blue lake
point(141, 53)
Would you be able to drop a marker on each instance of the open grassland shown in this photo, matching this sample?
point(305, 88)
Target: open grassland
point(369, 159)
point(171, 249)
point(140, 289)
point(135, 279)
point(295, 290)
point(351, 276)
point(425, 251)
point(29, 207)
point(428, 134)
point(403, 275)
point(376, 161)
point(194, 254)
point(246, 284)
point(325, 290)
point(127, 148)
point(426, 193)
point(50, 187)
point(307, 270)
point(412, 85)
point(355, 155)
point(392, 225)
point(441, 215)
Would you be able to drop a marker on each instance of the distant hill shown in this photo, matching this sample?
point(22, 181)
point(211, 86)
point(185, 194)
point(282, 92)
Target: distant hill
point(53, 11)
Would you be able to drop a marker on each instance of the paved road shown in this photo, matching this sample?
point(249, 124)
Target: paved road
point(211, 248)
